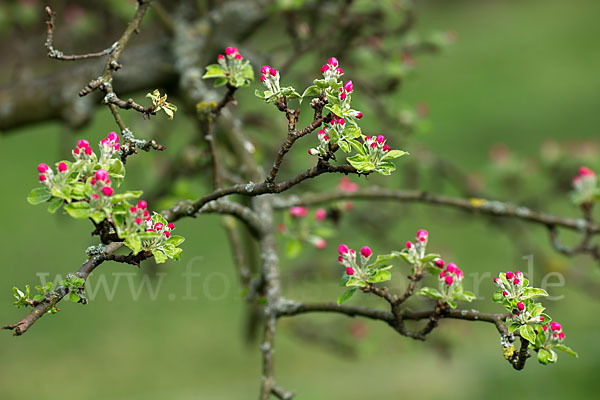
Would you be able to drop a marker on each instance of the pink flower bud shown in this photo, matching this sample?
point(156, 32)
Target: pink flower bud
point(422, 234)
point(43, 168)
point(561, 336)
point(158, 226)
point(367, 138)
point(76, 150)
point(585, 171)
point(88, 151)
point(459, 274)
point(220, 57)
point(101, 174)
point(263, 78)
point(138, 220)
point(146, 213)
point(339, 71)
point(167, 233)
point(231, 51)
point(386, 148)
point(320, 214)
point(298, 212)
point(324, 68)
point(83, 143)
point(321, 244)
point(321, 132)
point(273, 72)
point(451, 268)
point(265, 69)
point(409, 245)
point(62, 167)
point(350, 270)
point(449, 279)
point(343, 96)
point(343, 249)
point(349, 87)
point(42, 178)
point(555, 326)
point(521, 306)
point(442, 274)
point(313, 152)
point(149, 230)
point(380, 139)
point(555, 336)
point(373, 145)
point(95, 196)
point(170, 226)
point(333, 62)
point(509, 275)
point(517, 272)
point(341, 121)
point(516, 281)
point(238, 56)
point(341, 259)
point(542, 318)
point(133, 210)
point(545, 328)
point(366, 252)
point(113, 137)
point(142, 204)
point(359, 115)
point(505, 293)
point(440, 263)
point(107, 191)
point(496, 281)
point(116, 147)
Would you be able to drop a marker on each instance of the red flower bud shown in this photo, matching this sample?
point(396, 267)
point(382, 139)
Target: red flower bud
point(343, 249)
point(350, 270)
point(359, 115)
point(320, 214)
point(62, 167)
point(142, 204)
point(333, 62)
point(366, 252)
point(170, 226)
point(449, 279)
point(509, 275)
point(349, 87)
point(107, 191)
point(43, 168)
point(521, 306)
point(101, 174)
point(42, 177)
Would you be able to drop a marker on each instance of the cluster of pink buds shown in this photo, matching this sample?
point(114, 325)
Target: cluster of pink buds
point(270, 78)
point(298, 212)
point(556, 330)
point(451, 275)
point(347, 257)
point(101, 183)
point(139, 213)
point(515, 283)
point(422, 236)
point(376, 145)
point(109, 145)
point(230, 53)
point(323, 147)
point(331, 70)
point(161, 229)
point(82, 150)
point(584, 173)
point(47, 176)
point(346, 90)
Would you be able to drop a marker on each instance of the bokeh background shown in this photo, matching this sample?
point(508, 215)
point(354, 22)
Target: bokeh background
point(513, 104)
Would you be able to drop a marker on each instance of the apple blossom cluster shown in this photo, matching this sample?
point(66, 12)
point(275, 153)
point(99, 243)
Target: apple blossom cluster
point(231, 69)
point(585, 185)
point(323, 148)
point(301, 226)
point(86, 189)
point(375, 155)
point(528, 317)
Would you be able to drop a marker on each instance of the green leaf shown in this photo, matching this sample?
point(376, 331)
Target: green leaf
point(498, 297)
point(529, 293)
point(380, 275)
point(464, 296)
point(129, 195)
point(74, 297)
point(311, 91)
point(346, 296)
point(55, 205)
point(431, 293)
point(390, 155)
point(513, 327)
point(451, 303)
point(527, 332)
point(260, 94)
point(220, 82)
point(79, 210)
point(336, 109)
point(357, 146)
point(385, 259)
point(385, 167)
point(247, 73)
point(544, 356)
point(214, 71)
point(352, 281)
point(566, 349)
point(39, 195)
point(361, 163)
point(293, 248)
point(429, 257)
point(159, 256)
point(344, 146)
point(351, 132)
point(175, 240)
point(134, 242)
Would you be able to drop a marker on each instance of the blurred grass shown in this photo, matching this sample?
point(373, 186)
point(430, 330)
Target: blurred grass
point(521, 73)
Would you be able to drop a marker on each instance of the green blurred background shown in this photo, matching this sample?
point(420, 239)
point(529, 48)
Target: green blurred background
point(521, 73)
